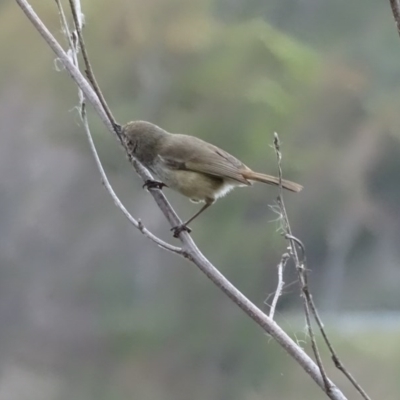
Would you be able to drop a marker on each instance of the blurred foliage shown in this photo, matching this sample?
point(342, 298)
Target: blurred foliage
point(103, 314)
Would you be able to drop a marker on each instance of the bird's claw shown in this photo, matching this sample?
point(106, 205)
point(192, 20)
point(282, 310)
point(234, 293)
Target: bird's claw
point(180, 228)
point(149, 184)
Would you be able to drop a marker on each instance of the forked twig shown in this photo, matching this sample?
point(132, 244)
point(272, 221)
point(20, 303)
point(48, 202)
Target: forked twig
point(137, 223)
point(309, 304)
point(299, 265)
point(335, 358)
point(73, 50)
point(317, 318)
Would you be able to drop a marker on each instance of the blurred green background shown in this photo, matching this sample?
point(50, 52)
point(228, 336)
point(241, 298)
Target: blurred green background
point(90, 309)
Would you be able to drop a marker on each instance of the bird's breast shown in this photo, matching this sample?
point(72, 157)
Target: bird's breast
point(195, 185)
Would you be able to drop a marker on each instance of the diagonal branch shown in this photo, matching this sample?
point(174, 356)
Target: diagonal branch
point(73, 50)
point(190, 250)
point(77, 16)
point(136, 223)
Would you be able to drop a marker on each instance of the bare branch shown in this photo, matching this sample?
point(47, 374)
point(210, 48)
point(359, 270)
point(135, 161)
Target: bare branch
point(303, 279)
point(137, 223)
point(74, 48)
point(78, 21)
point(279, 286)
point(299, 266)
point(79, 18)
point(338, 363)
point(190, 250)
point(64, 24)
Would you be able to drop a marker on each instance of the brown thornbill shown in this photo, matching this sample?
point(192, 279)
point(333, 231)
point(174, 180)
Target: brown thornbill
point(197, 169)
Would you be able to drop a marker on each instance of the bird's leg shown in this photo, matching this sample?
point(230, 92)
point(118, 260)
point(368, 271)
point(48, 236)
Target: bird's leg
point(149, 184)
point(184, 227)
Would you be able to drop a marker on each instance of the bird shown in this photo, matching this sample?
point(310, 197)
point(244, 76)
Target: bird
point(191, 166)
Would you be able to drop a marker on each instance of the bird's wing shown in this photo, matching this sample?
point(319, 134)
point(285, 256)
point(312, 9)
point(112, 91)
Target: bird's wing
point(193, 154)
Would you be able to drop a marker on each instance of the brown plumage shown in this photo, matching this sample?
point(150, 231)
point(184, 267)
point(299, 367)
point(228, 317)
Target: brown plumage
point(197, 169)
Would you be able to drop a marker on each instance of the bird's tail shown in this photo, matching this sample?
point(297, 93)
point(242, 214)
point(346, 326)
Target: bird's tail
point(272, 180)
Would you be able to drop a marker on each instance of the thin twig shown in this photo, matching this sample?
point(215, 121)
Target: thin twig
point(335, 358)
point(300, 244)
point(137, 223)
point(303, 278)
point(74, 48)
point(88, 67)
point(299, 266)
point(64, 23)
point(73, 45)
point(280, 284)
point(190, 250)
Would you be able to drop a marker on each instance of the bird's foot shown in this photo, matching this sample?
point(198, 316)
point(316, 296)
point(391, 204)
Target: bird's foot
point(149, 184)
point(180, 228)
